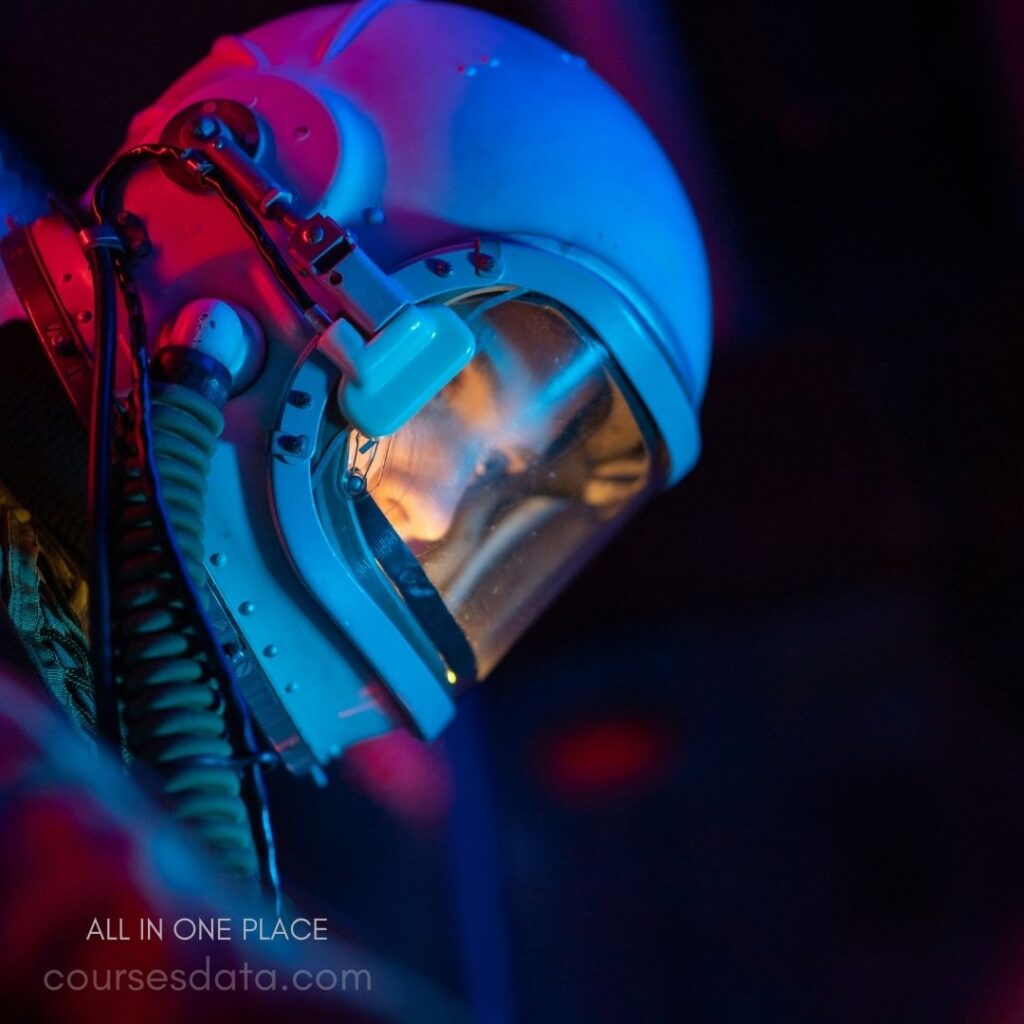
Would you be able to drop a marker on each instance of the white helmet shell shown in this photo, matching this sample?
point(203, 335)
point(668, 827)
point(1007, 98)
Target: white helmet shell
point(422, 124)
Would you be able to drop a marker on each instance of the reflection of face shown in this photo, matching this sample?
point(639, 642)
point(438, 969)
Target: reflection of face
point(519, 464)
point(419, 475)
point(534, 385)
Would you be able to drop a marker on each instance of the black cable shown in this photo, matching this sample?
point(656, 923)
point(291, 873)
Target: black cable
point(111, 181)
point(98, 479)
point(100, 623)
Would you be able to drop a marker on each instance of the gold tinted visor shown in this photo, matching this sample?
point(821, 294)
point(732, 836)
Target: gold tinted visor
point(512, 475)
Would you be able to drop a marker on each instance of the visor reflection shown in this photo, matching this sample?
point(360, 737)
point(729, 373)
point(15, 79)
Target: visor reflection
point(512, 475)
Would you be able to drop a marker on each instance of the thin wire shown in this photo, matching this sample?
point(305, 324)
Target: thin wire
point(286, 277)
point(112, 180)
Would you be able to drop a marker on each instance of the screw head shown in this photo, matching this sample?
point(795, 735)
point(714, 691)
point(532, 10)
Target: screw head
point(205, 127)
point(355, 484)
point(247, 608)
point(294, 444)
point(314, 234)
point(442, 268)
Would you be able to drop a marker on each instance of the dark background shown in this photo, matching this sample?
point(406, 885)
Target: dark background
point(764, 761)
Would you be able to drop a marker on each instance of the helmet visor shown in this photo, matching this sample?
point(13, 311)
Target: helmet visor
point(513, 474)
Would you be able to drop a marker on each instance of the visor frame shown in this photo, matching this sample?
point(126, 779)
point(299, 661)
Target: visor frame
point(355, 595)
